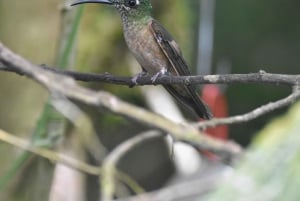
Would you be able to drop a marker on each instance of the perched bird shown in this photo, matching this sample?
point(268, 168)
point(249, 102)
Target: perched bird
point(154, 49)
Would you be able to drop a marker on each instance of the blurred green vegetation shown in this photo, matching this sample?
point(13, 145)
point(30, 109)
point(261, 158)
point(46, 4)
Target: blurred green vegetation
point(269, 169)
point(251, 35)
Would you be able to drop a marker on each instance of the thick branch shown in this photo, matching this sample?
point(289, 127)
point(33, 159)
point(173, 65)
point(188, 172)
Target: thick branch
point(260, 77)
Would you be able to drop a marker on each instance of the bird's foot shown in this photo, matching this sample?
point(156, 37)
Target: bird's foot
point(136, 77)
point(158, 74)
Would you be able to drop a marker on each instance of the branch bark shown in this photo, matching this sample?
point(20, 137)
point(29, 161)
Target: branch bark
point(260, 77)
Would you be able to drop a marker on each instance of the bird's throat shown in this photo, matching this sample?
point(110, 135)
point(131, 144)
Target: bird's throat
point(130, 21)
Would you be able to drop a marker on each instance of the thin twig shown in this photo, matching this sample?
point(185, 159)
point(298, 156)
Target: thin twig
point(52, 156)
point(110, 162)
point(253, 114)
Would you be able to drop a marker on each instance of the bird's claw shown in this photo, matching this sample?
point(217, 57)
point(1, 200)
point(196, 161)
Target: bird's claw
point(154, 77)
point(136, 77)
point(158, 74)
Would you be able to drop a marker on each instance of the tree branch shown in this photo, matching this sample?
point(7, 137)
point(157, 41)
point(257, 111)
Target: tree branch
point(260, 77)
point(110, 162)
point(49, 154)
point(253, 114)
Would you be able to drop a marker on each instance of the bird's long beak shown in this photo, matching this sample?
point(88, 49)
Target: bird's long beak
point(77, 2)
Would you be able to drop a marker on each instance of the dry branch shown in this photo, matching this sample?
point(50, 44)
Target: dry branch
point(52, 156)
point(260, 77)
point(111, 161)
point(253, 114)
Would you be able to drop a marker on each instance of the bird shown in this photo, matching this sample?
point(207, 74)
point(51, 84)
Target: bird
point(155, 50)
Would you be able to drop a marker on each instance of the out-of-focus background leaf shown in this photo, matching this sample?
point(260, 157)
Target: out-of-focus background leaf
point(250, 35)
point(269, 170)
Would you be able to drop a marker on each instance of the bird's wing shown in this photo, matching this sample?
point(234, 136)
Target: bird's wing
point(178, 67)
point(170, 49)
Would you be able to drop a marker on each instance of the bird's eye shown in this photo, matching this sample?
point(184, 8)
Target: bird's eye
point(132, 3)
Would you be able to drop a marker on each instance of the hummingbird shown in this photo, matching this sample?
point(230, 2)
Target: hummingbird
point(155, 50)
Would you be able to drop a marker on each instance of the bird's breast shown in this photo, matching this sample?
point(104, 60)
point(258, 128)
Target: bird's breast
point(145, 49)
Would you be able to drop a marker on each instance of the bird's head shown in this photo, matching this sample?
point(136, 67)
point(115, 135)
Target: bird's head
point(127, 8)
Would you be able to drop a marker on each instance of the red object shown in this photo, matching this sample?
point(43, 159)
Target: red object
point(216, 101)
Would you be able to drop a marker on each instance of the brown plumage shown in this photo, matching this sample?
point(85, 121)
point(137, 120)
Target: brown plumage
point(155, 49)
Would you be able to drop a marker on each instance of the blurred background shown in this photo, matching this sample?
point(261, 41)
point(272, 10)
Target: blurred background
point(247, 36)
